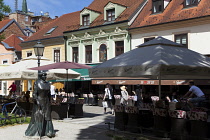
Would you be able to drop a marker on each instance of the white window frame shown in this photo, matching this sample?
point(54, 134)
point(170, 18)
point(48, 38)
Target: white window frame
point(5, 60)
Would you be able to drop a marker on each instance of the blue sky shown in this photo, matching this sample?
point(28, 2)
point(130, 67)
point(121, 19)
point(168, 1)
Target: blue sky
point(54, 7)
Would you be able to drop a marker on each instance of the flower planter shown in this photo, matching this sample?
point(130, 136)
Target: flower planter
point(117, 99)
point(199, 125)
point(180, 127)
point(59, 111)
point(133, 119)
point(100, 102)
point(162, 122)
point(76, 110)
point(146, 118)
point(121, 118)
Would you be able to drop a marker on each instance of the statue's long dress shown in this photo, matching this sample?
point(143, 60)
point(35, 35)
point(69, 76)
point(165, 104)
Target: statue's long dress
point(41, 122)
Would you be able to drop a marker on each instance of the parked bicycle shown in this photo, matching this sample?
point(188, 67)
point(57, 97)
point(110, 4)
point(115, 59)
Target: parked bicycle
point(17, 113)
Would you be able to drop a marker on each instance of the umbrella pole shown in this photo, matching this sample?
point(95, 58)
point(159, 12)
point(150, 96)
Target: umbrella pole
point(159, 85)
point(67, 94)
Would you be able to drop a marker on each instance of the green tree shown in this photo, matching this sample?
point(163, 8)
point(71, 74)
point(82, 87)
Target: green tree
point(3, 9)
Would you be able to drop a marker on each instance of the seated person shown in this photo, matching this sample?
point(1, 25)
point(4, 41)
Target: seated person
point(174, 97)
point(194, 90)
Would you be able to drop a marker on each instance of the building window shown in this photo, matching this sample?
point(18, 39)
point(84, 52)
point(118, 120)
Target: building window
point(51, 30)
point(29, 54)
point(148, 39)
point(110, 15)
point(88, 54)
point(102, 53)
point(191, 3)
point(56, 55)
point(119, 48)
point(157, 6)
point(4, 61)
point(75, 54)
point(86, 20)
point(26, 18)
point(182, 39)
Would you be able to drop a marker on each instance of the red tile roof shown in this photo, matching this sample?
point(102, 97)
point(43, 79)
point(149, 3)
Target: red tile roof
point(14, 41)
point(99, 5)
point(4, 23)
point(175, 11)
point(71, 21)
point(90, 9)
point(67, 21)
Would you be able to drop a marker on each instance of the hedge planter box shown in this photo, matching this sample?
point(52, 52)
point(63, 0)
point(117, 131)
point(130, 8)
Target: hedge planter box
point(199, 125)
point(76, 110)
point(59, 111)
point(121, 118)
point(117, 99)
point(162, 122)
point(100, 102)
point(146, 118)
point(180, 126)
point(180, 129)
point(133, 119)
point(26, 106)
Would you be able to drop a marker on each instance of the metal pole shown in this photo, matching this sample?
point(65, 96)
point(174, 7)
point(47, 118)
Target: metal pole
point(159, 88)
point(67, 88)
point(38, 61)
point(38, 66)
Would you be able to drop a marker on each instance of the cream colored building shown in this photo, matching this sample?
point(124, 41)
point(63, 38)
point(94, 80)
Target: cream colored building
point(186, 23)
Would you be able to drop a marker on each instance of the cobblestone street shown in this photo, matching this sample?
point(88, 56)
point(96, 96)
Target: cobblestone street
point(91, 127)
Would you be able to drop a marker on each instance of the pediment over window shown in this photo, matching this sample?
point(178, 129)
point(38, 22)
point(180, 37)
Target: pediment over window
point(87, 16)
point(112, 11)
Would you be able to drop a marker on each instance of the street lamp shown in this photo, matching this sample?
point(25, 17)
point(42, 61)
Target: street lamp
point(39, 50)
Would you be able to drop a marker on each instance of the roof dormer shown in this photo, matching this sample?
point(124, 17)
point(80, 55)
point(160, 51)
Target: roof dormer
point(112, 11)
point(158, 6)
point(87, 16)
point(190, 3)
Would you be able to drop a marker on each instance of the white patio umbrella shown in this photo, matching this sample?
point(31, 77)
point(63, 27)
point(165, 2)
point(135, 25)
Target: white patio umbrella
point(21, 71)
point(159, 59)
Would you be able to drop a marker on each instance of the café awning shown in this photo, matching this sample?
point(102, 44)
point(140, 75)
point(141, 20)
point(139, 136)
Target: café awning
point(84, 75)
point(132, 81)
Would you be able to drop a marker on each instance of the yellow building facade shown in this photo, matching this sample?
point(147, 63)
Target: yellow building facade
point(49, 52)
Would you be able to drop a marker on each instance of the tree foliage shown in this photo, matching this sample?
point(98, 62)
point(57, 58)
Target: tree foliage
point(4, 9)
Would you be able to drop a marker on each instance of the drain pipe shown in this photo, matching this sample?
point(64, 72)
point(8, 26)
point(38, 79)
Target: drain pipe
point(65, 46)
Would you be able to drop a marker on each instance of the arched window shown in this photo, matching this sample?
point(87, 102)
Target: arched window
point(102, 53)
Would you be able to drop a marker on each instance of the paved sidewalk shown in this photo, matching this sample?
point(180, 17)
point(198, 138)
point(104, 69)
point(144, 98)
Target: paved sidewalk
point(90, 127)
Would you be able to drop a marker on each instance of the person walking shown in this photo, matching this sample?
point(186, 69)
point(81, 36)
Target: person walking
point(12, 89)
point(124, 96)
point(110, 100)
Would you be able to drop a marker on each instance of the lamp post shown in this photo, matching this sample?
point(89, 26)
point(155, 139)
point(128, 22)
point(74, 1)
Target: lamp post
point(39, 50)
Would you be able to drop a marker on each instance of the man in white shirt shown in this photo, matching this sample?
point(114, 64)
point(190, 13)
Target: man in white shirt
point(52, 90)
point(110, 100)
point(194, 90)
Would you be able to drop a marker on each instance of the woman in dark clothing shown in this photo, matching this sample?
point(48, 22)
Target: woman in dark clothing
point(41, 122)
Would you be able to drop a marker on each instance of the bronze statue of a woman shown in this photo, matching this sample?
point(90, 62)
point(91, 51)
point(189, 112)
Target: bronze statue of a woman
point(41, 122)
